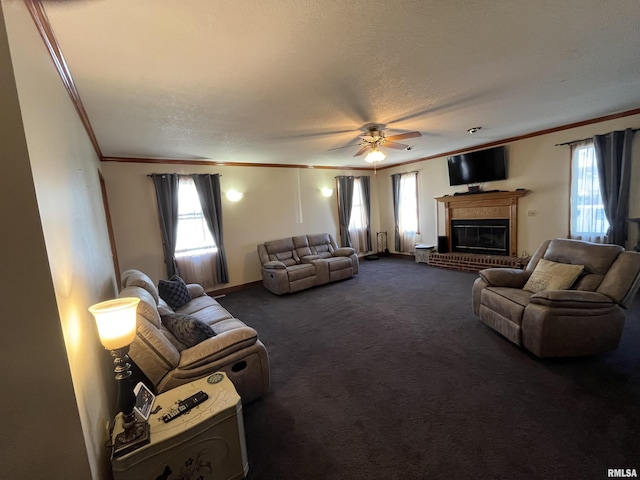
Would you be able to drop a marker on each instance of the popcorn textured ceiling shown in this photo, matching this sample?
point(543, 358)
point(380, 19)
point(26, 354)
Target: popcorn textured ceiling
point(285, 82)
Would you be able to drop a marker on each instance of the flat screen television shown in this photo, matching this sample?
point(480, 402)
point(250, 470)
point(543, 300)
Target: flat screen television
point(478, 167)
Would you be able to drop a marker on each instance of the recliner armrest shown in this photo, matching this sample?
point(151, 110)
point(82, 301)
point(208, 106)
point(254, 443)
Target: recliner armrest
point(505, 277)
point(217, 347)
point(195, 290)
point(274, 265)
point(576, 299)
point(344, 252)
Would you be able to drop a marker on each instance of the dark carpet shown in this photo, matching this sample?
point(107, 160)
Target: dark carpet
point(389, 375)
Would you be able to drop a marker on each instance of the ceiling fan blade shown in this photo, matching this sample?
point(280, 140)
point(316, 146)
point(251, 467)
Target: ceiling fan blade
point(362, 150)
point(402, 136)
point(346, 146)
point(397, 146)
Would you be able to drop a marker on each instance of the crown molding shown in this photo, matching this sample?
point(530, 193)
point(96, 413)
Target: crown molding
point(547, 131)
point(177, 161)
point(41, 21)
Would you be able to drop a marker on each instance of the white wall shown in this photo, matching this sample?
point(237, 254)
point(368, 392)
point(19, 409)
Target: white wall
point(535, 164)
point(57, 263)
point(271, 207)
point(278, 202)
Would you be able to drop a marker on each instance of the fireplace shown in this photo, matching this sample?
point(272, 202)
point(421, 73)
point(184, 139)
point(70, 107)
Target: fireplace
point(488, 236)
point(482, 223)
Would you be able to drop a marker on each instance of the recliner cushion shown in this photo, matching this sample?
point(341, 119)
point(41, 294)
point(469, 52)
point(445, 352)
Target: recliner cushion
point(282, 250)
point(507, 302)
point(174, 292)
point(338, 263)
point(299, 272)
point(302, 246)
point(320, 244)
point(596, 258)
point(205, 309)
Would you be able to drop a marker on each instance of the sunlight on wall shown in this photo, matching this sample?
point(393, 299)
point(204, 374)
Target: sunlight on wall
point(72, 328)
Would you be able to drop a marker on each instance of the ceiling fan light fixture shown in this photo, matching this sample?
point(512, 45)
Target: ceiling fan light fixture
point(374, 155)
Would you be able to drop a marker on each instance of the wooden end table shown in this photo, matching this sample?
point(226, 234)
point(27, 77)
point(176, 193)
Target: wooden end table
point(206, 442)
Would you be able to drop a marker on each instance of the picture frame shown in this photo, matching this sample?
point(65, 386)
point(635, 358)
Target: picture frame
point(144, 402)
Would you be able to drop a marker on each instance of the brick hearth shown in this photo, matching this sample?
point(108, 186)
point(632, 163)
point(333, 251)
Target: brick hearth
point(474, 262)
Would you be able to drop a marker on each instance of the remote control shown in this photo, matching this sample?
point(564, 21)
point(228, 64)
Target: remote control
point(185, 405)
point(194, 399)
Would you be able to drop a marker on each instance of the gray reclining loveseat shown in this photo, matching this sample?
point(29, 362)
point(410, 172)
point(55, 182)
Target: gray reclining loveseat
point(295, 263)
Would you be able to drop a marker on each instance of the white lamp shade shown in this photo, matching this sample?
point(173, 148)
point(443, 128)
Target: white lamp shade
point(327, 192)
point(374, 156)
point(116, 320)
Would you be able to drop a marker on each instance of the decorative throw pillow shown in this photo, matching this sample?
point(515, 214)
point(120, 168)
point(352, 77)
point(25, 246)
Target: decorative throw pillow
point(187, 329)
point(174, 292)
point(552, 276)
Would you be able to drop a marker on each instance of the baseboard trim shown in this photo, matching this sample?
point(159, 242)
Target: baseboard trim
point(235, 288)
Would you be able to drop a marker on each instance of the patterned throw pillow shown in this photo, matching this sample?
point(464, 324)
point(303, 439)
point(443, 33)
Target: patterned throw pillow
point(187, 329)
point(552, 276)
point(174, 292)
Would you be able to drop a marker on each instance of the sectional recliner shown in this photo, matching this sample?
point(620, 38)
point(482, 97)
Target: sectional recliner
point(235, 349)
point(296, 263)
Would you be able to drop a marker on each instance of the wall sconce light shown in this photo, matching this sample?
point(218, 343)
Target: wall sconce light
point(116, 320)
point(327, 192)
point(234, 195)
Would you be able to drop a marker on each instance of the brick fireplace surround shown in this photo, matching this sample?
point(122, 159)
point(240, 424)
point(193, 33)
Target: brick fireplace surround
point(473, 262)
point(476, 206)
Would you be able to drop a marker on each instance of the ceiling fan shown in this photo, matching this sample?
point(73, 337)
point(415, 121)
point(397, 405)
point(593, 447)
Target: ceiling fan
point(375, 138)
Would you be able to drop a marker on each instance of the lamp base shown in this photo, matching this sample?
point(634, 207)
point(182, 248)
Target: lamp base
point(132, 438)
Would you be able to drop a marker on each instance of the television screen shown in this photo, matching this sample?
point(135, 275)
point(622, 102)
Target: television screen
point(477, 167)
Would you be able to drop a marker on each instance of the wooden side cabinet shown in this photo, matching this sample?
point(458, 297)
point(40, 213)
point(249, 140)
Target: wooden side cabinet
point(206, 443)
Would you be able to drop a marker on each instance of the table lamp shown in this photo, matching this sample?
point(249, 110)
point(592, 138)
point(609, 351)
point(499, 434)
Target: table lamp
point(116, 320)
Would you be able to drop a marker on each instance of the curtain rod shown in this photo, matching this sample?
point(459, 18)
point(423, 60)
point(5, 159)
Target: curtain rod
point(183, 174)
point(585, 139)
point(354, 176)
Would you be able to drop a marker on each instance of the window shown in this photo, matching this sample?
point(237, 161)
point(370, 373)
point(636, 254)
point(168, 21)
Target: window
point(357, 208)
point(588, 220)
point(194, 237)
point(408, 203)
point(405, 197)
point(358, 223)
